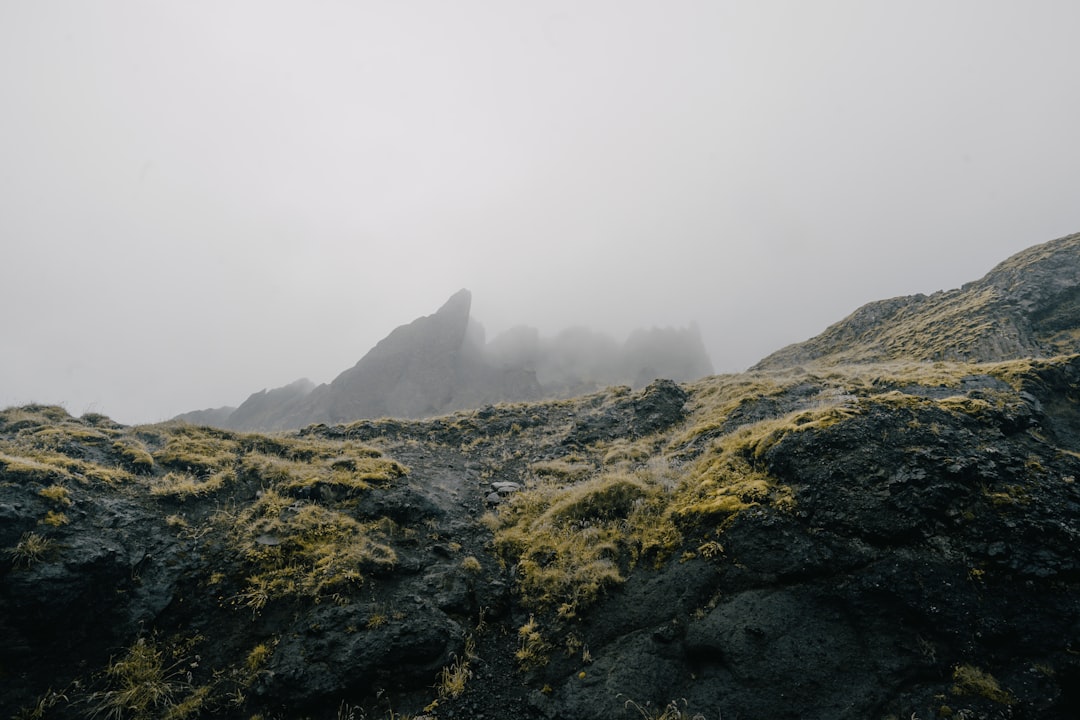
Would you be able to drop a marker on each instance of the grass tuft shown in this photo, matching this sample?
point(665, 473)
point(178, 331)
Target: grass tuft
point(31, 548)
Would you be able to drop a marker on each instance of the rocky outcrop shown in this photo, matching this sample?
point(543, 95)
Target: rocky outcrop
point(441, 363)
point(218, 417)
point(892, 545)
point(265, 409)
point(897, 584)
point(431, 366)
point(413, 372)
point(892, 540)
point(1028, 306)
point(418, 370)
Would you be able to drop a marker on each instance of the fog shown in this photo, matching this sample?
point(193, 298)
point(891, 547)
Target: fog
point(200, 200)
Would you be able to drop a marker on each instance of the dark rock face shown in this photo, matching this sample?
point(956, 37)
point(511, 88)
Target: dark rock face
point(263, 409)
point(440, 363)
point(118, 572)
point(924, 539)
point(658, 407)
point(1028, 305)
point(930, 532)
point(411, 373)
point(431, 366)
point(218, 417)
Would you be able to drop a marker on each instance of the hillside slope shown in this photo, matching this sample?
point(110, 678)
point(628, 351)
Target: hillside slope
point(1028, 306)
point(846, 543)
point(823, 538)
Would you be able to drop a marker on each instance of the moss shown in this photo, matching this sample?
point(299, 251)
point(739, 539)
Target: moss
point(344, 466)
point(270, 468)
point(346, 473)
point(28, 416)
point(725, 479)
point(258, 657)
point(134, 455)
point(25, 469)
point(304, 550)
point(200, 450)
point(568, 543)
point(68, 435)
point(182, 486)
point(55, 519)
point(607, 497)
point(49, 467)
point(58, 495)
point(287, 448)
point(970, 680)
point(93, 472)
point(623, 451)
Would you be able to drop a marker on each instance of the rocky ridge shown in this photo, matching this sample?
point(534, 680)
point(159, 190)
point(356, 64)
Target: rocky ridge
point(1027, 306)
point(868, 540)
point(440, 363)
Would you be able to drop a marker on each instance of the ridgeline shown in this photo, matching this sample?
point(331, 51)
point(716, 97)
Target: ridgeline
point(881, 522)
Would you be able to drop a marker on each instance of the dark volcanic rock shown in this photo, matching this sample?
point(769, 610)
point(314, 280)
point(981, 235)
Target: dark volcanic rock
point(96, 586)
point(325, 661)
point(930, 530)
point(658, 407)
point(926, 536)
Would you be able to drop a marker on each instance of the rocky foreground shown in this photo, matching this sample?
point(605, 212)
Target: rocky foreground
point(873, 541)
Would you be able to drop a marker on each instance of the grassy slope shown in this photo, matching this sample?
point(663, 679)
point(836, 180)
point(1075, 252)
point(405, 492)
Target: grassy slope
point(292, 511)
point(999, 316)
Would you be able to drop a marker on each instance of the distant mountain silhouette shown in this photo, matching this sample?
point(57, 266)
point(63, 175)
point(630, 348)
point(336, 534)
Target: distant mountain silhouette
point(440, 363)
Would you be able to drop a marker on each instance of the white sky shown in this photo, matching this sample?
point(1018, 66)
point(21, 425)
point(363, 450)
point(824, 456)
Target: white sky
point(202, 199)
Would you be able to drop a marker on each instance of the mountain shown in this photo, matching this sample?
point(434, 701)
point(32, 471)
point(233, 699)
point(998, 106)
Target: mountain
point(440, 363)
point(824, 540)
point(1026, 306)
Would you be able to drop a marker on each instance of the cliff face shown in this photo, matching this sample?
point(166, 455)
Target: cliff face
point(412, 372)
point(1028, 305)
point(430, 366)
point(440, 363)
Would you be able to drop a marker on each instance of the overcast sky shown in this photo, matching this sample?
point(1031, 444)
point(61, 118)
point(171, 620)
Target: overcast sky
point(199, 200)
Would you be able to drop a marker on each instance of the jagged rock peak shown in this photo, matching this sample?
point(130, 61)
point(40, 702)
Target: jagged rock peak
point(439, 363)
point(1027, 306)
point(412, 372)
point(458, 304)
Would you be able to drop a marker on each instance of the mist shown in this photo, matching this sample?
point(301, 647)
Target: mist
point(202, 200)
point(580, 359)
